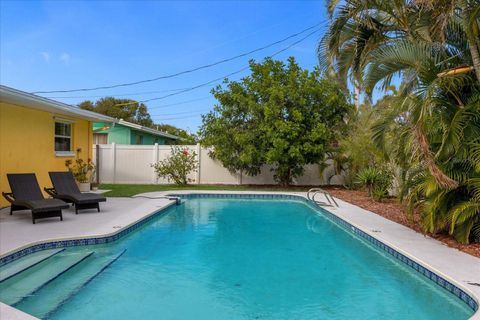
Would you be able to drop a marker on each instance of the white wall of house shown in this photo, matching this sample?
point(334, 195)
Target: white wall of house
point(132, 164)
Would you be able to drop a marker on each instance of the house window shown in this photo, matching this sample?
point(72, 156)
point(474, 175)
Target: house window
point(100, 138)
point(63, 138)
point(138, 139)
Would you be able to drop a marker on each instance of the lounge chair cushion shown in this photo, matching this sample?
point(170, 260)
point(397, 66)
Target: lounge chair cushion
point(82, 198)
point(42, 205)
point(64, 182)
point(24, 186)
point(27, 195)
point(66, 189)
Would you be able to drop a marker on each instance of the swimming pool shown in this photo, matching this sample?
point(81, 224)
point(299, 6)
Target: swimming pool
point(213, 258)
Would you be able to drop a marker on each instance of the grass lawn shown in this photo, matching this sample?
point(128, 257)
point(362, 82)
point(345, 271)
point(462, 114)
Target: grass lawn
point(128, 190)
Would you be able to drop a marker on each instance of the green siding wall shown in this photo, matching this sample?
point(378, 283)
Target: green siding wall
point(125, 135)
point(119, 135)
point(147, 138)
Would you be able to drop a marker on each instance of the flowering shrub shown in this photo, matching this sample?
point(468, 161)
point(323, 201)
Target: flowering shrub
point(178, 166)
point(81, 170)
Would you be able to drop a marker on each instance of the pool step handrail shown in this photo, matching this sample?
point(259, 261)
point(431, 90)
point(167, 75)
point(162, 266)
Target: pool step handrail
point(313, 192)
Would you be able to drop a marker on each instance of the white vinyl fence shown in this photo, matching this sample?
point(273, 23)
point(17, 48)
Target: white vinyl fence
point(132, 164)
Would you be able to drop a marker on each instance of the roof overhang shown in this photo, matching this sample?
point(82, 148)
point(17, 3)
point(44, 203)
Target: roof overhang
point(28, 100)
point(148, 130)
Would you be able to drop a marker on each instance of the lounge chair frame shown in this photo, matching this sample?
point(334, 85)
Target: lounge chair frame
point(78, 206)
point(11, 199)
point(71, 194)
point(37, 213)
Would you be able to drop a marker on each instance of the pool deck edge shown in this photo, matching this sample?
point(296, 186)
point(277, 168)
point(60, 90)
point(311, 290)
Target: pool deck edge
point(125, 224)
point(10, 313)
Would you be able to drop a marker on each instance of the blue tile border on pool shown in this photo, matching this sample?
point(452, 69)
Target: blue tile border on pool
point(437, 279)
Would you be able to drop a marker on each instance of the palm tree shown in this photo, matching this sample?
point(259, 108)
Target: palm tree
point(433, 49)
point(471, 25)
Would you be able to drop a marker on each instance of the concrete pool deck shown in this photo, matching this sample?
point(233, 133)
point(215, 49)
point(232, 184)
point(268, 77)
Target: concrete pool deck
point(18, 232)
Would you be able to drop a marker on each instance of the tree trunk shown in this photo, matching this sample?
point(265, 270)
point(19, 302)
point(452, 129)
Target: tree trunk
point(441, 178)
point(286, 178)
point(356, 96)
point(369, 190)
point(475, 56)
point(471, 39)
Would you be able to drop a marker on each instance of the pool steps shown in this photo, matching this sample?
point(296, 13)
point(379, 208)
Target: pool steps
point(26, 283)
point(16, 267)
point(51, 297)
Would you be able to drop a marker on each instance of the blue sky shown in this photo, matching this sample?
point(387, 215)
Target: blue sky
point(57, 45)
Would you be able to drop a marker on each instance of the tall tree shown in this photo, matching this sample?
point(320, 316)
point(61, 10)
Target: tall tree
point(280, 115)
point(126, 109)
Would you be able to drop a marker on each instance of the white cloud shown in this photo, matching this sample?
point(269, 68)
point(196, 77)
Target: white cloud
point(46, 56)
point(65, 58)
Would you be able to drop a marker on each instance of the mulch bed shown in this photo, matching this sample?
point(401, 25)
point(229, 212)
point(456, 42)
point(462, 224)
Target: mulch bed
point(395, 211)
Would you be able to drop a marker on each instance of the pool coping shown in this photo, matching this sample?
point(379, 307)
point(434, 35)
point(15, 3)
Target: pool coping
point(455, 287)
point(65, 242)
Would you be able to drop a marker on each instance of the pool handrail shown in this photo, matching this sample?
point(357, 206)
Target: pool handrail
point(313, 192)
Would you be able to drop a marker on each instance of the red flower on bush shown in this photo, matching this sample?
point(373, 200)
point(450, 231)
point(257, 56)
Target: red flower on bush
point(178, 166)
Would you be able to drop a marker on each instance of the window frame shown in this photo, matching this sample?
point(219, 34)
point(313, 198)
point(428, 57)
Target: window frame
point(138, 139)
point(63, 153)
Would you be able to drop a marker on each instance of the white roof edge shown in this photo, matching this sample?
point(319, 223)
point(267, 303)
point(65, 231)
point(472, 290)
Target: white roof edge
point(149, 130)
point(29, 100)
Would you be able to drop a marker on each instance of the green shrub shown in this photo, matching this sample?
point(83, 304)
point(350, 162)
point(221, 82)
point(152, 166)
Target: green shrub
point(377, 181)
point(379, 193)
point(178, 166)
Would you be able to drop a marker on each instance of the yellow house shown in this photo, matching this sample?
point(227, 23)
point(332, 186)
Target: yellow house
point(38, 134)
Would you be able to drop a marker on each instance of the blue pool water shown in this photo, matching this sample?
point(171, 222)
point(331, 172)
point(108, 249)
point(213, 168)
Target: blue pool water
point(238, 259)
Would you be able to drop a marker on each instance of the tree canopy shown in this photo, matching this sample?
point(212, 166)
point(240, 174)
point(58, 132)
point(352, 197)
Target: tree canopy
point(280, 115)
point(132, 111)
point(126, 109)
point(187, 138)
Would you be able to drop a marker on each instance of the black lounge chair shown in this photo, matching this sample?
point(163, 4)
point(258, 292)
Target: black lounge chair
point(27, 195)
point(66, 189)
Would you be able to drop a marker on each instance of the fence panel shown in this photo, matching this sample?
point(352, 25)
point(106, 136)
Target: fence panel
point(106, 167)
point(265, 177)
point(212, 171)
point(132, 164)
